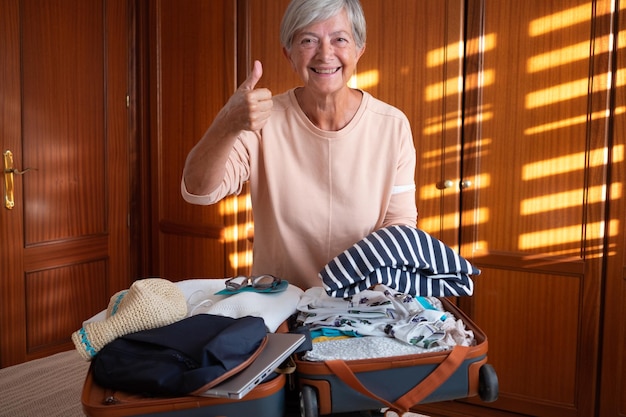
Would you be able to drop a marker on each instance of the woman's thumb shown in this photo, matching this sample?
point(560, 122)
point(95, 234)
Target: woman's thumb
point(253, 77)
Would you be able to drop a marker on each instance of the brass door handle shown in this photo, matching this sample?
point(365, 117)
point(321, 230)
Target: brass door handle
point(9, 202)
point(9, 171)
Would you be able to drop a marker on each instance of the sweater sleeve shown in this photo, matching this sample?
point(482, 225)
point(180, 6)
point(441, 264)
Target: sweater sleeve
point(402, 209)
point(236, 173)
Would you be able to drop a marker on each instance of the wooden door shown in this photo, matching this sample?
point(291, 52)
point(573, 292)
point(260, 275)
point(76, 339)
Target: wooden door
point(413, 60)
point(612, 400)
point(534, 207)
point(193, 74)
point(63, 109)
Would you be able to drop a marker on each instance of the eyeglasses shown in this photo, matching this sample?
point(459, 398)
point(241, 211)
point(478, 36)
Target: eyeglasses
point(259, 281)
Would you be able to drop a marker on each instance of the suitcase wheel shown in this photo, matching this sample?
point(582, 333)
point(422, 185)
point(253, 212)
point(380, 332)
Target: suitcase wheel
point(487, 383)
point(308, 402)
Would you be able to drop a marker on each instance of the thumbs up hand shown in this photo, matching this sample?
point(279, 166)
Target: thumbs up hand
point(249, 108)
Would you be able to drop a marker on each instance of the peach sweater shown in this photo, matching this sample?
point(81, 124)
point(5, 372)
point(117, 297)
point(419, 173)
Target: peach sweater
point(315, 193)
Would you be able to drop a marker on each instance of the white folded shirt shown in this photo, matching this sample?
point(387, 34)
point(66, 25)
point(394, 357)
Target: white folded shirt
point(273, 308)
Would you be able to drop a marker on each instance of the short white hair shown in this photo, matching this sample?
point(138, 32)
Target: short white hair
point(301, 13)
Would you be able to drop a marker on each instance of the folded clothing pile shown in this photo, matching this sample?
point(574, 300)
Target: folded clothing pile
point(392, 323)
point(403, 258)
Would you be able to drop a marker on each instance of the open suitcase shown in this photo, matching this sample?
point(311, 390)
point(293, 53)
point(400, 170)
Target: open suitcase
point(399, 382)
point(266, 399)
point(236, 396)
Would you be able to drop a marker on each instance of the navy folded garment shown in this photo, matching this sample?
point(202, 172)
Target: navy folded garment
point(404, 258)
point(185, 357)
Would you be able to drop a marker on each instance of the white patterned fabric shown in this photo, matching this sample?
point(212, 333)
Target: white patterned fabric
point(381, 312)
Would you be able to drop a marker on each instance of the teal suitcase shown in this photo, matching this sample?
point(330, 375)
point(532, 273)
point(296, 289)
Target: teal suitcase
point(399, 382)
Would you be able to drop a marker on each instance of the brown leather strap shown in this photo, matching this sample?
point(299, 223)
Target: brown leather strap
point(418, 393)
point(437, 377)
point(341, 369)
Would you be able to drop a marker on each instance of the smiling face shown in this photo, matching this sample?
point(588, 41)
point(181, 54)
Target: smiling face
point(324, 54)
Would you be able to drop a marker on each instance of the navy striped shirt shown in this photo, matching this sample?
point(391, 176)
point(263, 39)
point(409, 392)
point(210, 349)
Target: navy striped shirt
point(404, 258)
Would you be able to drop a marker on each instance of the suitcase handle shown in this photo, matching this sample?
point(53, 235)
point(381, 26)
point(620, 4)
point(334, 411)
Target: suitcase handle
point(416, 394)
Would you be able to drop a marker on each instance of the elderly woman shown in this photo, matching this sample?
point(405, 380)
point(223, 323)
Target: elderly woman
point(327, 164)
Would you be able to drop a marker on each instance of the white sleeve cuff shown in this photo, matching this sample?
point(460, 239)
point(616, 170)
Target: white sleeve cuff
point(397, 189)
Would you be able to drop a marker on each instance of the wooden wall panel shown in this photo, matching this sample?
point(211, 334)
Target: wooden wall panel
point(613, 381)
point(50, 133)
point(194, 75)
point(534, 213)
point(48, 292)
point(415, 64)
point(532, 333)
point(262, 35)
point(537, 200)
point(533, 140)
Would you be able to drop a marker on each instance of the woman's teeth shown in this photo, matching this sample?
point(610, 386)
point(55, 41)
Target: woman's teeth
point(325, 71)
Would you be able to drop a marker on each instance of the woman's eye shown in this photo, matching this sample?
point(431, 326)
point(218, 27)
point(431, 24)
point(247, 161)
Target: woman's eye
point(308, 42)
point(341, 41)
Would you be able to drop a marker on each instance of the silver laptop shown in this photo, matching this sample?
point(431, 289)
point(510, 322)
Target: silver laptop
point(279, 347)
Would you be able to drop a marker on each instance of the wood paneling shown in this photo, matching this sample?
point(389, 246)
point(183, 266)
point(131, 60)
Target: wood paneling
point(50, 291)
point(415, 64)
point(262, 33)
point(538, 190)
point(534, 216)
point(613, 382)
point(51, 134)
point(193, 59)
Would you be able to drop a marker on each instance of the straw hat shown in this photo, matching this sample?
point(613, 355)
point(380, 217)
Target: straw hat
point(147, 304)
